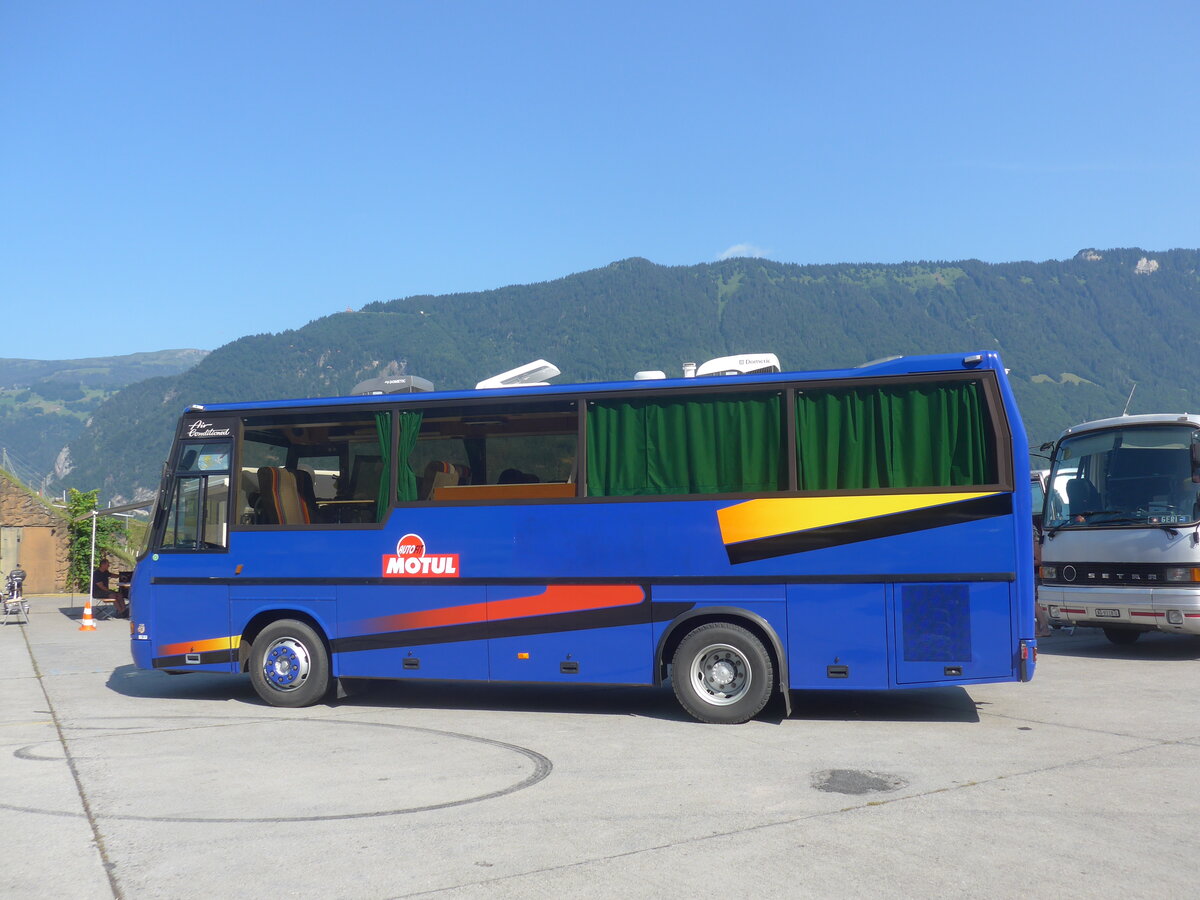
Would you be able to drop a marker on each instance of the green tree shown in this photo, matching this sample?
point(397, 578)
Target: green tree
point(110, 533)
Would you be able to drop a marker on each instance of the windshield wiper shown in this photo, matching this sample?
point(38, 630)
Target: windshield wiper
point(1081, 516)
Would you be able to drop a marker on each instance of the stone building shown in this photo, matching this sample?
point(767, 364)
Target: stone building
point(34, 534)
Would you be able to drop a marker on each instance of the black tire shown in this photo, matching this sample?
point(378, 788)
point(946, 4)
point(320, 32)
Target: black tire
point(722, 674)
point(289, 665)
point(1122, 637)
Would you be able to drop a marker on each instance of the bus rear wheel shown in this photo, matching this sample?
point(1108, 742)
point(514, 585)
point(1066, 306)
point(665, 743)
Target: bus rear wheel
point(722, 674)
point(1121, 636)
point(289, 665)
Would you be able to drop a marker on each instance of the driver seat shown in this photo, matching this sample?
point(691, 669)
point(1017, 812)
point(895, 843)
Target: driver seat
point(1082, 496)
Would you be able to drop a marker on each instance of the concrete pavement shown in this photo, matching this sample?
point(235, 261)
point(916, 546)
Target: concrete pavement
point(117, 782)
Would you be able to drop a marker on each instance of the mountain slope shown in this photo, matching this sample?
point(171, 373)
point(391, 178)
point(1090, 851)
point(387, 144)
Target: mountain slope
point(46, 403)
point(1076, 334)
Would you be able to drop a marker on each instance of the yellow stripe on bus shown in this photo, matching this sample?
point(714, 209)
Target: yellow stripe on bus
point(203, 646)
point(757, 519)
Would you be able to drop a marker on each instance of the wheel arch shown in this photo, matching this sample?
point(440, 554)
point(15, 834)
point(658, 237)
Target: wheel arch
point(751, 621)
point(262, 619)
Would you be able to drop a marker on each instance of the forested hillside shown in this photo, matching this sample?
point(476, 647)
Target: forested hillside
point(1076, 334)
point(46, 403)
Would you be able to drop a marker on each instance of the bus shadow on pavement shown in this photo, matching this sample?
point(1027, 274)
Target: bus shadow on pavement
point(948, 704)
point(935, 704)
point(606, 700)
point(1091, 643)
point(130, 681)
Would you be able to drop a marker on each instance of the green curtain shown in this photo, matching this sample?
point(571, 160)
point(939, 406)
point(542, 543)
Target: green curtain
point(925, 435)
point(383, 431)
point(707, 445)
point(410, 429)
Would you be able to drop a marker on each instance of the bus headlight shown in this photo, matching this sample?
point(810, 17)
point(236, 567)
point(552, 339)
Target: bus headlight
point(1182, 573)
point(1052, 611)
point(1175, 617)
point(1049, 573)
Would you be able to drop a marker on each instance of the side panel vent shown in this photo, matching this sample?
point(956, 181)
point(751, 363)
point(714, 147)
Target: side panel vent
point(936, 619)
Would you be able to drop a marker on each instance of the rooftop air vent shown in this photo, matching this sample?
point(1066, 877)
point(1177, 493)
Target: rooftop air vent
point(393, 384)
point(742, 364)
point(533, 374)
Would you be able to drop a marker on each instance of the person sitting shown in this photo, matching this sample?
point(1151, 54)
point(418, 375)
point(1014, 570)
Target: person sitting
point(16, 578)
point(102, 591)
point(516, 476)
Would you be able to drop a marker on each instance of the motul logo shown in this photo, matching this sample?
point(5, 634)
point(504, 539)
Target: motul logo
point(411, 561)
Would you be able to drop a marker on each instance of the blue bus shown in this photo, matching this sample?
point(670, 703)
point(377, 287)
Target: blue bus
point(736, 535)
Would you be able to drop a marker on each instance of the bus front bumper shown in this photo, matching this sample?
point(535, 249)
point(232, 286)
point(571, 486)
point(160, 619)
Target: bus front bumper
point(1173, 610)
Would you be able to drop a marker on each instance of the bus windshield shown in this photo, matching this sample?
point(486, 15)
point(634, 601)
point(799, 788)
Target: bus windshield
point(1131, 475)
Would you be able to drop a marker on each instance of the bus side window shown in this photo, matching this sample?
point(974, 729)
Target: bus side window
point(845, 438)
point(509, 450)
point(314, 469)
point(706, 444)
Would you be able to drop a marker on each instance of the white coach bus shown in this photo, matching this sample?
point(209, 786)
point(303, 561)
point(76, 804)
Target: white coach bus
point(1121, 527)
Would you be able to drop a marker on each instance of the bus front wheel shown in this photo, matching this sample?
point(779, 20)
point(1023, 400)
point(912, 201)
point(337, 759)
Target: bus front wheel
point(722, 674)
point(289, 665)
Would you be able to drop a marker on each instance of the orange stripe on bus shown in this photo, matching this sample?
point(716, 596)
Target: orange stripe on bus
point(558, 598)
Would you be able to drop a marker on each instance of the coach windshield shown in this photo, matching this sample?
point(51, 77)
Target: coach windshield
point(1134, 475)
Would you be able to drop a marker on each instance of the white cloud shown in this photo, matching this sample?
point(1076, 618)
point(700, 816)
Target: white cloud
point(743, 250)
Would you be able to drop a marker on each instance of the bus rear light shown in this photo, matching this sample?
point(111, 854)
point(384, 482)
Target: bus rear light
point(1027, 660)
point(1049, 573)
point(1182, 573)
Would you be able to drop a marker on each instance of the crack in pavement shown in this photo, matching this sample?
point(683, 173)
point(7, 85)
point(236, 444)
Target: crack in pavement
point(107, 863)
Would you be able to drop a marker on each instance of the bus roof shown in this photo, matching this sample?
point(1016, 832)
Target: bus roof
point(1126, 421)
point(901, 365)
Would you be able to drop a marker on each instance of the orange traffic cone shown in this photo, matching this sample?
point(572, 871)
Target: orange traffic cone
point(88, 623)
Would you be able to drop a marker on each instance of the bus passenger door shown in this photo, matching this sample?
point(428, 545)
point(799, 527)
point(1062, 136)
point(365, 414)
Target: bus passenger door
point(953, 632)
point(596, 633)
point(186, 621)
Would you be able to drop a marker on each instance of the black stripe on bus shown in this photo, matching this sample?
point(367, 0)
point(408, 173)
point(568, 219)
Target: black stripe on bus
point(817, 578)
point(180, 661)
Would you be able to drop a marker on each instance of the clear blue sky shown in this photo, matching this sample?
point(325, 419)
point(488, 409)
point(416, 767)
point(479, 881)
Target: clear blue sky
point(181, 174)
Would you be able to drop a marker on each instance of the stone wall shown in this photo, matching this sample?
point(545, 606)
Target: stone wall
point(36, 535)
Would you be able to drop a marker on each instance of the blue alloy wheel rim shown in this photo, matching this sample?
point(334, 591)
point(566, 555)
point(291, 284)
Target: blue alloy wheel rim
point(286, 664)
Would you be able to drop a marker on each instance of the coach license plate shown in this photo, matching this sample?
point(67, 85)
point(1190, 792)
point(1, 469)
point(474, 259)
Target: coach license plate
point(1108, 613)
